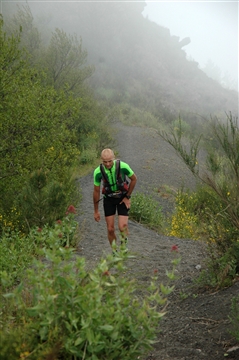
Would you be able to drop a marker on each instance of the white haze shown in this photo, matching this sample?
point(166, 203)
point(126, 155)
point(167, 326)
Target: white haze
point(211, 26)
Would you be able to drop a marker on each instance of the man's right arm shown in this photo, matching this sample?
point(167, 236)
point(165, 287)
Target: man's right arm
point(96, 198)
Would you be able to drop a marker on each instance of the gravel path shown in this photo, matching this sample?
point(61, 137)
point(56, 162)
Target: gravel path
point(196, 327)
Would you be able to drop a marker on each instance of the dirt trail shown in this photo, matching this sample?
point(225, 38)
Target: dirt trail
point(196, 327)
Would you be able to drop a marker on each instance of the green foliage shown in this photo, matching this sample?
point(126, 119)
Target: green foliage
point(200, 214)
point(63, 62)
point(30, 36)
point(222, 174)
point(132, 115)
point(234, 317)
point(42, 131)
point(214, 208)
point(13, 344)
point(181, 126)
point(184, 221)
point(35, 129)
point(221, 269)
point(88, 156)
point(17, 253)
point(145, 210)
point(92, 127)
point(174, 138)
point(62, 309)
point(43, 201)
point(18, 250)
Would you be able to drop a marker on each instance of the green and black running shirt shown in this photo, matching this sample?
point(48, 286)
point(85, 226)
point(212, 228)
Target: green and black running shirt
point(125, 169)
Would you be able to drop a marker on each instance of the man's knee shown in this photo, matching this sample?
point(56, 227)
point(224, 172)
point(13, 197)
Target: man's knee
point(111, 229)
point(123, 228)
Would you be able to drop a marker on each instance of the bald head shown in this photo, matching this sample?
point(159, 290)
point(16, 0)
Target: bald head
point(108, 156)
point(107, 153)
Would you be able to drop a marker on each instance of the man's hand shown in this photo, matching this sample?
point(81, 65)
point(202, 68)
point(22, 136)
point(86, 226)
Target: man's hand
point(97, 216)
point(126, 202)
point(133, 180)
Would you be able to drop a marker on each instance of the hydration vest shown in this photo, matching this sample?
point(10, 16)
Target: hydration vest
point(122, 184)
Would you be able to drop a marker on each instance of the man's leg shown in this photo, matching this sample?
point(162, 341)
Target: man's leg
point(110, 221)
point(110, 210)
point(123, 223)
point(123, 228)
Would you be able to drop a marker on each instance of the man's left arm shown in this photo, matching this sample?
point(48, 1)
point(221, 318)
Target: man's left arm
point(133, 181)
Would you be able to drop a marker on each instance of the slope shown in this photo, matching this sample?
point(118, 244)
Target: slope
point(136, 61)
point(196, 324)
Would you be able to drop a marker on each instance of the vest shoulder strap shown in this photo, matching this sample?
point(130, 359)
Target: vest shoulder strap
point(117, 171)
point(103, 173)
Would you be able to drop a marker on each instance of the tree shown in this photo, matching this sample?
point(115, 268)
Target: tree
point(45, 127)
point(36, 129)
point(30, 36)
point(63, 62)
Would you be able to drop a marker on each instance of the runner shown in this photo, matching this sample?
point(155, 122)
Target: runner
point(116, 193)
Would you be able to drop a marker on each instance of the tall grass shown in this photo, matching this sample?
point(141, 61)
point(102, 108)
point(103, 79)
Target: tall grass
point(147, 211)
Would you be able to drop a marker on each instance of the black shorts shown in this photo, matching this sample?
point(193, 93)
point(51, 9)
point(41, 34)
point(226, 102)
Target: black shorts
point(111, 205)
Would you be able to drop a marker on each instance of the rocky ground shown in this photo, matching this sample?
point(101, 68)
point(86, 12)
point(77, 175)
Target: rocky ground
point(196, 325)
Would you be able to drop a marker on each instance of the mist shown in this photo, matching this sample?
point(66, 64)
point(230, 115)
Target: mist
point(212, 28)
point(139, 55)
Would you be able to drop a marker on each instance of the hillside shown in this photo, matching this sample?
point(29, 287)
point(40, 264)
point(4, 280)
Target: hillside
point(137, 62)
point(196, 325)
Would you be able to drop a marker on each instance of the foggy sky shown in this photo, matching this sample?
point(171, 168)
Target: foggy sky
point(211, 26)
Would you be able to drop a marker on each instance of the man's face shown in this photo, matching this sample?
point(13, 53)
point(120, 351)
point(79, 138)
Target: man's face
point(108, 161)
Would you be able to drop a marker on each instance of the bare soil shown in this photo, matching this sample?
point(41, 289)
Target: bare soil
point(196, 325)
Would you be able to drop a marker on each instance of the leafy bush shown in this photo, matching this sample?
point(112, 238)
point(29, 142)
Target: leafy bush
point(18, 250)
point(199, 215)
point(221, 269)
point(131, 115)
point(214, 208)
point(145, 210)
point(88, 156)
point(62, 309)
point(16, 255)
point(184, 222)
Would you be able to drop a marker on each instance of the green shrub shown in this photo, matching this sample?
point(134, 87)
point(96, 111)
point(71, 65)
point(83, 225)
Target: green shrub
point(145, 210)
point(42, 201)
point(212, 212)
point(182, 125)
point(13, 345)
point(200, 215)
point(221, 270)
point(16, 255)
point(184, 222)
point(131, 115)
point(18, 250)
point(62, 309)
point(88, 156)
